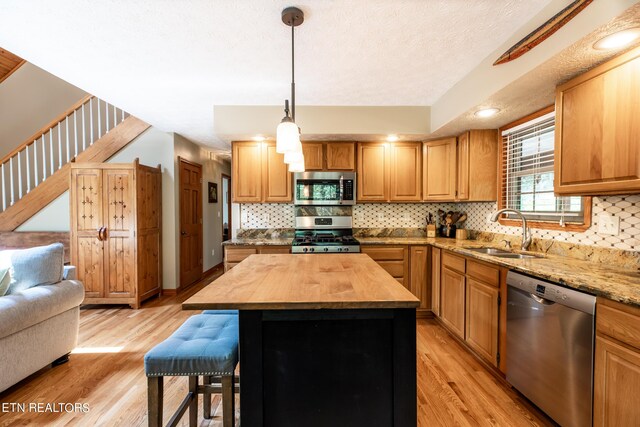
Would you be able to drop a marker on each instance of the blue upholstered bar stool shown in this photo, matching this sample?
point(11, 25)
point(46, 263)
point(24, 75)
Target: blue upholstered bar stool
point(205, 345)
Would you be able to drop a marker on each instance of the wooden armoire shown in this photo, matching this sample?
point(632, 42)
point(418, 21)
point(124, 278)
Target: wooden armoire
point(116, 231)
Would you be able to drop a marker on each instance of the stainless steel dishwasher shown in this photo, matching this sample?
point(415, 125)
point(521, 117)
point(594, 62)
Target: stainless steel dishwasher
point(550, 347)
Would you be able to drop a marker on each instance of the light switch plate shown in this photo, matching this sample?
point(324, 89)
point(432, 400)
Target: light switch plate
point(608, 224)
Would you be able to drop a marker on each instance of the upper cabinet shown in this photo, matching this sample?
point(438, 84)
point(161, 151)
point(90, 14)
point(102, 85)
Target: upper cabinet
point(330, 156)
point(389, 172)
point(597, 143)
point(462, 169)
point(439, 169)
point(259, 174)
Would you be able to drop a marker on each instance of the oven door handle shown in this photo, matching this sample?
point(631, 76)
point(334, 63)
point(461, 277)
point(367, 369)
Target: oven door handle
point(341, 188)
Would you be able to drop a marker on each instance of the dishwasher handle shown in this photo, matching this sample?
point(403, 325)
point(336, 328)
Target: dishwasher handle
point(541, 300)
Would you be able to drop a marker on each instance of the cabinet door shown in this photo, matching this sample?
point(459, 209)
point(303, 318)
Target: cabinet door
point(482, 319)
point(597, 131)
point(452, 301)
point(439, 179)
point(246, 172)
point(462, 183)
point(312, 156)
point(276, 177)
point(435, 280)
point(373, 171)
point(119, 249)
point(86, 219)
point(406, 172)
point(341, 156)
point(419, 285)
point(616, 384)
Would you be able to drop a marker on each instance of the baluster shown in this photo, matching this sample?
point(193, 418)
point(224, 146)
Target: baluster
point(11, 181)
point(4, 189)
point(59, 126)
point(51, 153)
point(19, 175)
point(99, 121)
point(35, 163)
point(75, 132)
point(91, 119)
point(44, 159)
point(66, 122)
point(106, 115)
point(115, 116)
point(27, 161)
point(84, 131)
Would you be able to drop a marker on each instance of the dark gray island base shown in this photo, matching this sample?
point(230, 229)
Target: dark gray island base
point(328, 368)
point(325, 340)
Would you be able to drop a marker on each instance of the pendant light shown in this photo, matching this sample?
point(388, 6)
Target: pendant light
point(288, 132)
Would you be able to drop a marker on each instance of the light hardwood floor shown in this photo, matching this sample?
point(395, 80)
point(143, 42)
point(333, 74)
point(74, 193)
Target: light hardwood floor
point(453, 387)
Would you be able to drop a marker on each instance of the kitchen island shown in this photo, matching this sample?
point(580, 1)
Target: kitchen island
point(324, 340)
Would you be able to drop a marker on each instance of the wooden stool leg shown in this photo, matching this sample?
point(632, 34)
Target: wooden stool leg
point(193, 405)
point(228, 401)
point(206, 398)
point(154, 401)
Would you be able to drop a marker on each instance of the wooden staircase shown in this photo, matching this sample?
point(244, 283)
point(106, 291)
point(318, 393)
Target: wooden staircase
point(37, 172)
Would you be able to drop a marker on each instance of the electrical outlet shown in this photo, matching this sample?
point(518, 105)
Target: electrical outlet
point(380, 216)
point(213, 252)
point(608, 224)
point(244, 216)
point(218, 214)
point(406, 216)
point(265, 217)
point(489, 218)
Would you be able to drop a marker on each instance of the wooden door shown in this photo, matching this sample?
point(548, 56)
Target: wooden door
point(276, 177)
point(462, 183)
point(406, 172)
point(313, 157)
point(439, 178)
point(119, 220)
point(149, 230)
point(373, 172)
point(452, 301)
point(435, 280)
point(190, 222)
point(419, 275)
point(86, 221)
point(482, 319)
point(616, 384)
point(597, 142)
point(246, 172)
point(341, 156)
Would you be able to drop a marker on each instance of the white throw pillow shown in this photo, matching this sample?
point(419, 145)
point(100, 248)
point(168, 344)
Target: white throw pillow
point(5, 280)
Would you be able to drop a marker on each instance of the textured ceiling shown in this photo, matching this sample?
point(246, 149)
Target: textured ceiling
point(170, 62)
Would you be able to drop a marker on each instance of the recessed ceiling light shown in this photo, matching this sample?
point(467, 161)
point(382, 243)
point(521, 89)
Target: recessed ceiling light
point(617, 40)
point(392, 138)
point(259, 138)
point(486, 112)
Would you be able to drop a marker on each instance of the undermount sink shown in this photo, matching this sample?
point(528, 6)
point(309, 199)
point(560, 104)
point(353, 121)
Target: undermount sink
point(517, 256)
point(490, 251)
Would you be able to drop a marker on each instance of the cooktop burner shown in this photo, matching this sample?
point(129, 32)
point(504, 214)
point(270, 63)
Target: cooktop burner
point(306, 241)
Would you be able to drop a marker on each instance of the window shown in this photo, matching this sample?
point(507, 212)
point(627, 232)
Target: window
point(527, 174)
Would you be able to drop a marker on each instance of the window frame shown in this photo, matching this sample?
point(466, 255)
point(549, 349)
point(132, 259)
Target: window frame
point(534, 223)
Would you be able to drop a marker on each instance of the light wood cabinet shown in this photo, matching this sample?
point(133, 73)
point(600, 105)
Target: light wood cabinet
point(389, 172)
point(419, 275)
point(597, 141)
point(373, 172)
point(406, 172)
point(394, 259)
point(115, 231)
point(477, 166)
point(341, 156)
point(617, 365)
point(482, 319)
point(259, 174)
point(313, 156)
point(452, 301)
point(235, 254)
point(439, 177)
point(435, 280)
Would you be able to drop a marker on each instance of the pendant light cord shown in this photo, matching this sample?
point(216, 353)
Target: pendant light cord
point(293, 83)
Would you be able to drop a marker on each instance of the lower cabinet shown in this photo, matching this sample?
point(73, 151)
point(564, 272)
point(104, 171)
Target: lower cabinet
point(436, 254)
point(233, 255)
point(469, 304)
point(394, 259)
point(617, 365)
point(419, 280)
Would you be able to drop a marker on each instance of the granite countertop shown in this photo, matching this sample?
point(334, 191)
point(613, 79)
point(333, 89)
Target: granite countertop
point(257, 241)
point(613, 282)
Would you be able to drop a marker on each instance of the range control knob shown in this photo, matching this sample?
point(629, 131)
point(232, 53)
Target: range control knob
point(304, 249)
point(311, 249)
point(326, 249)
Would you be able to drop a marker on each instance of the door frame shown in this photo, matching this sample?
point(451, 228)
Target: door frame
point(179, 285)
point(228, 201)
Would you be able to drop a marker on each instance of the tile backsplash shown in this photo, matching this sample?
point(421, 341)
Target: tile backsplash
point(413, 215)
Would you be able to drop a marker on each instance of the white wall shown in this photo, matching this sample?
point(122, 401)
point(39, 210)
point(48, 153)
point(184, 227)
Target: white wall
point(29, 99)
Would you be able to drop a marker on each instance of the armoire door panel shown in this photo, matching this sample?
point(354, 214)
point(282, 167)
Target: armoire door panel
point(120, 272)
point(88, 200)
point(89, 262)
point(149, 260)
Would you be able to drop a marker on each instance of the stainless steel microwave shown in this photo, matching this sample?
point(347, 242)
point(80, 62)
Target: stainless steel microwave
point(325, 188)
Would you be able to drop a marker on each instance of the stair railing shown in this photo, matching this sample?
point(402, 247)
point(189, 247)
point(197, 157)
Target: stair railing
point(55, 145)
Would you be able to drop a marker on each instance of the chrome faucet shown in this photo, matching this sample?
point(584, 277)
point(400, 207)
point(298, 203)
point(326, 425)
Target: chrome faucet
point(526, 233)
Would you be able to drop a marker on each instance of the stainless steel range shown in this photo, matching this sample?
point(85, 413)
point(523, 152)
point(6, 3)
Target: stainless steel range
point(324, 229)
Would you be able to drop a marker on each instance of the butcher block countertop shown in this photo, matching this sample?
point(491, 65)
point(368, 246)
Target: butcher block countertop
point(302, 282)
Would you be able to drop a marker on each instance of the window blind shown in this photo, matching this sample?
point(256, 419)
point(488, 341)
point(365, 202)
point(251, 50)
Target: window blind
point(527, 173)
